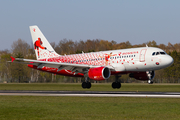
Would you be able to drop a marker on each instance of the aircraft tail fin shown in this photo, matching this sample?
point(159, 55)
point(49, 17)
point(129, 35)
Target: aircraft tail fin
point(41, 46)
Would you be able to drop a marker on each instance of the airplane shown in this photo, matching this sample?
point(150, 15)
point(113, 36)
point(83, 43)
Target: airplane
point(140, 63)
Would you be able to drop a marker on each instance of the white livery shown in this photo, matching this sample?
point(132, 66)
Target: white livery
point(139, 63)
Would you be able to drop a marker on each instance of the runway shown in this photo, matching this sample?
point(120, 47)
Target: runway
point(91, 94)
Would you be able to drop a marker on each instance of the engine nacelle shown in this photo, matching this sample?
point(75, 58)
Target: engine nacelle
point(100, 73)
point(148, 75)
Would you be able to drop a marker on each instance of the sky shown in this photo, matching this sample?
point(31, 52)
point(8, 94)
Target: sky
point(136, 21)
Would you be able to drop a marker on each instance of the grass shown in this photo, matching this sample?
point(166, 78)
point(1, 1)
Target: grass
point(88, 108)
point(95, 87)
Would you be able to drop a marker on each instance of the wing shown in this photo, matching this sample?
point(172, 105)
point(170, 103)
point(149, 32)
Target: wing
point(78, 68)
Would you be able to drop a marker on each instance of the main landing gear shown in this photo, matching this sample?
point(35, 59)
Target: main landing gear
point(86, 84)
point(116, 84)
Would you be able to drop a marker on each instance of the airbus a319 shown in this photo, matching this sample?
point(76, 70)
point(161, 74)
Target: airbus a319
point(140, 63)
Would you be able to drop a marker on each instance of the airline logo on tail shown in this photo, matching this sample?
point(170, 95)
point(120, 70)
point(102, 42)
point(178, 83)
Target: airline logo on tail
point(42, 47)
point(37, 45)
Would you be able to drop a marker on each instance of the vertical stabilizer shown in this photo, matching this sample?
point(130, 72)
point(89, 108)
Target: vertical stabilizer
point(41, 46)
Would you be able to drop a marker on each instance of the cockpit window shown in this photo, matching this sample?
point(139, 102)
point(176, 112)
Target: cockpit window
point(162, 53)
point(157, 53)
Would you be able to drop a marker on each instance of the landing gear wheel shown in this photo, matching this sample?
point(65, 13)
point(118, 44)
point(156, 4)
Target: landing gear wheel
point(116, 85)
point(86, 85)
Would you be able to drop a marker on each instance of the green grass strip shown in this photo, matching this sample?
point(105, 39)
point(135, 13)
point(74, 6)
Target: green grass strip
point(88, 108)
point(95, 87)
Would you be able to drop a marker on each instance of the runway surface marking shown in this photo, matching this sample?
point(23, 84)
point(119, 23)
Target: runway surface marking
point(91, 94)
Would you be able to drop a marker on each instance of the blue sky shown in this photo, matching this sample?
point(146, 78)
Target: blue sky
point(137, 21)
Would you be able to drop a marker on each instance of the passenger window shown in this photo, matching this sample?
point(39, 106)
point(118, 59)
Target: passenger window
point(153, 53)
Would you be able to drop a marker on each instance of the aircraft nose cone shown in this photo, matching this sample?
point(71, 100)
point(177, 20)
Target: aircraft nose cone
point(169, 60)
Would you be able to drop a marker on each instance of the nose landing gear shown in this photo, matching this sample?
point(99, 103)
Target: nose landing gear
point(150, 81)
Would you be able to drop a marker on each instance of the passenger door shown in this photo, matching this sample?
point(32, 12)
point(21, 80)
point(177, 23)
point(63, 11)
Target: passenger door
point(142, 55)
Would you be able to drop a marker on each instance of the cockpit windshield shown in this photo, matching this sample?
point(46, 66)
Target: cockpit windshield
point(158, 53)
point(162, 53)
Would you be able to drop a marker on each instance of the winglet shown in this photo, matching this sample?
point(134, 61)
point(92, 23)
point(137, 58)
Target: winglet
point(12, 59)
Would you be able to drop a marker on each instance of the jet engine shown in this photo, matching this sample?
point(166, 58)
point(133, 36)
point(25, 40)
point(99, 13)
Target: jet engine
point(148, 75)
point(100, 73)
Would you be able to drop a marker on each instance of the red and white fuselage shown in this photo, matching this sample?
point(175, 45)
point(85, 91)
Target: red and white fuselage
point(140, 63)
point(123, 61)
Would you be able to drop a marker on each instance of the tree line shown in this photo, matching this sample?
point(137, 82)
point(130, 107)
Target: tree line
point(15, 72)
